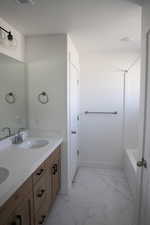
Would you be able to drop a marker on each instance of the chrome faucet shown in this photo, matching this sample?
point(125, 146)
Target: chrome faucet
point(7, 129)
point(18, 138)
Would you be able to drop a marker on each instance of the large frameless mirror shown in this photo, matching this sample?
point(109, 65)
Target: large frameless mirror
point(13, 100)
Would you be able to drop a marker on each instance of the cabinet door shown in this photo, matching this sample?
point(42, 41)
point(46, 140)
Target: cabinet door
point(52, 175)
point(54, 167)
point(54, 180)
point(56, 177)
point(41, 191)
point(41, 215)
point(56, 174)
point(23, 215)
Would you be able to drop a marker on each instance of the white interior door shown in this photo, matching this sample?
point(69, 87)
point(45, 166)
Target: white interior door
point(144, 173)
point(74, 111)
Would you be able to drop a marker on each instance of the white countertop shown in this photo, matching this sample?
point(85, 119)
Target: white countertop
point(21, 163)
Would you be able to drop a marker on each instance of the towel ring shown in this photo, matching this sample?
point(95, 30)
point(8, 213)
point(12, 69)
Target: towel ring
point(43, 98)
point(10, 98)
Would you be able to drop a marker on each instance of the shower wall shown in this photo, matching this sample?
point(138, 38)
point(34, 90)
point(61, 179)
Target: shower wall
point(101, 136)
point(132, 97)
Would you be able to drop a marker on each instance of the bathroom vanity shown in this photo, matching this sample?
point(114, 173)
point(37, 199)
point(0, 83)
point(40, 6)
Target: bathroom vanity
point(30, 167)
point(33, 190)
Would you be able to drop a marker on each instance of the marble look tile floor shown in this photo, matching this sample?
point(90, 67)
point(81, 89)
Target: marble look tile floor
point(98, 197)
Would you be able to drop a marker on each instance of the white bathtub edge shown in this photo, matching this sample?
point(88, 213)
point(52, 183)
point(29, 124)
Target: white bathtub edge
point(130, 169)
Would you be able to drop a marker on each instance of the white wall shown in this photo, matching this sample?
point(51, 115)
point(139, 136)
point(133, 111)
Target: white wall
point(16, 51)
point(47, 71)
point(132, 98)
point(101, 140)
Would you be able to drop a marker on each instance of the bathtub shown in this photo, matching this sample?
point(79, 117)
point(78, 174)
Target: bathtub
point(130, 168)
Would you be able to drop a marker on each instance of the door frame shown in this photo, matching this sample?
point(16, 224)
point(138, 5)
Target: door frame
point(142, 186)
point(69, 111)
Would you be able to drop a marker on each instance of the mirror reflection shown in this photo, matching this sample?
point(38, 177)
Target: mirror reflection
point(13, 110)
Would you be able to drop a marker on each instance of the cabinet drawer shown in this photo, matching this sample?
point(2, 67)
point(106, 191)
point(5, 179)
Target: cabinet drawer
point(23, 215)
point(15, 200)
point(53, 158)
point(39, 173)
point(41, 191)
point(41, 215)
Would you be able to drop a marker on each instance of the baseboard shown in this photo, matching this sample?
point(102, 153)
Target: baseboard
point(101, 165)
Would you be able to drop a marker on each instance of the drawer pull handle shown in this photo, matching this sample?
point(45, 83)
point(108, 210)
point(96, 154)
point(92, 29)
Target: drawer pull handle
point(53, 170)
point(19, 218)
point(40, 172)
point(42, 219)
point(40, 194)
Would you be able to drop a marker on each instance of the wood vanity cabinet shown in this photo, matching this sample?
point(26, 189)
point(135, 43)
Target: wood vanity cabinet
point(30, 204)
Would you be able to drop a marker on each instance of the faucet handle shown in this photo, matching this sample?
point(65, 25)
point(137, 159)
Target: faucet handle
point(8, 129)
point(21, 129)
point(18, 138)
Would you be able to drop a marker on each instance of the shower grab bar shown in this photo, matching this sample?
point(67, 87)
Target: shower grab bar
point(113, 113)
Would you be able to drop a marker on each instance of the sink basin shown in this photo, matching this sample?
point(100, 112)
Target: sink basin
point(30, 144)
point(4, 173)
